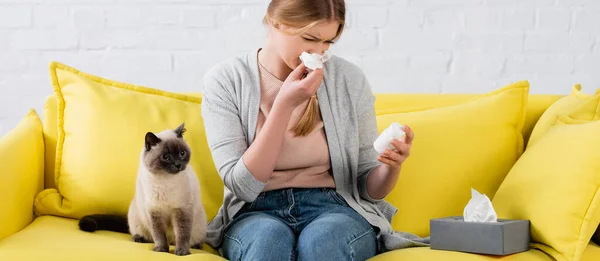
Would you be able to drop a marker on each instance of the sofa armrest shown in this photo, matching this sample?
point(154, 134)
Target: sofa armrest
point(21, 173)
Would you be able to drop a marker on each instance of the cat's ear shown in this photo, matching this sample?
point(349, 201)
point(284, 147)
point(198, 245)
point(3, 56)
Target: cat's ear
point(151, 140)
point(180, 130)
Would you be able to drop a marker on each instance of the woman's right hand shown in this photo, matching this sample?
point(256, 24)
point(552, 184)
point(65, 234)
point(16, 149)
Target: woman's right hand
point(296, 90)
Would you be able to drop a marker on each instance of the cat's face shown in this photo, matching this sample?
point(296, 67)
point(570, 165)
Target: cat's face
point(166, 152)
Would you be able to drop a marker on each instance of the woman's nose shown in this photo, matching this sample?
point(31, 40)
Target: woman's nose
point(319, 48)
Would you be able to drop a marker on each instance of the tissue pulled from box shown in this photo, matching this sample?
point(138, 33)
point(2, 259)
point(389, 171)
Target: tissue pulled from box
point(479, 209)
point(314, 60)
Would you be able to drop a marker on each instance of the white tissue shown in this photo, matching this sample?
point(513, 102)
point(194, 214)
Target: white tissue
point(314, 60)
point(384, 141)
point(479, 209)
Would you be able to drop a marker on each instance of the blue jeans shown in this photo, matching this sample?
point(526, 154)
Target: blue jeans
point(299, 224)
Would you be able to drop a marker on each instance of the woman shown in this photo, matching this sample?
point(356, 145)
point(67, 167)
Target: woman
point(302, 179)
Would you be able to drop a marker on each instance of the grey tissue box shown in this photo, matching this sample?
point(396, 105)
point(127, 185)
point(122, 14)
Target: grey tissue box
point(500, 238)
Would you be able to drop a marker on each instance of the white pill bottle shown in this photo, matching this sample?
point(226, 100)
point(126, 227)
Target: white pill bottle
point(384, 141)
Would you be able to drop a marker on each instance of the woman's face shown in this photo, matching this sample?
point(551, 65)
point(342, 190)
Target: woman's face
point(315, 40)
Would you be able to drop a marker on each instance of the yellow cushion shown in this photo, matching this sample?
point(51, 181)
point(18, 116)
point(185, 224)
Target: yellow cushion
point(563, 105)
point(456, 148)
point(56, 238)
point(21, 173)
point(101, 126)
point(427, 254)
point(555, 184)
point(50, 137)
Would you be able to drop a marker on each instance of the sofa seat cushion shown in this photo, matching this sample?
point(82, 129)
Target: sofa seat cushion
point(56, 238)
point(427, 254)
point(591, 253)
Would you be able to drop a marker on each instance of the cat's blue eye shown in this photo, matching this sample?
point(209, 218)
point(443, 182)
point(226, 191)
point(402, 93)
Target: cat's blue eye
point(182, 153)
point(165, 157)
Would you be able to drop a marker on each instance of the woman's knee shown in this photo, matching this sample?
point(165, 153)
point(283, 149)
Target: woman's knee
point(337, 237)
point(258, 237)
point(364, 246)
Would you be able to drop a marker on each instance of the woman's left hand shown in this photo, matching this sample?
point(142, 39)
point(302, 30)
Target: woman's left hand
point(394, 158)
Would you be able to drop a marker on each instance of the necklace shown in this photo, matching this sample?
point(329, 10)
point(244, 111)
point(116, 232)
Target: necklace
point(267, 71)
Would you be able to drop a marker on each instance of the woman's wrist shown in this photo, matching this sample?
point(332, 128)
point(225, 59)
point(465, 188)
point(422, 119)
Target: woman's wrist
point(281, 106)
point(382, 181)
point(394, 170)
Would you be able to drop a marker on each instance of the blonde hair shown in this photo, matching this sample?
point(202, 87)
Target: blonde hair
point(300, 16)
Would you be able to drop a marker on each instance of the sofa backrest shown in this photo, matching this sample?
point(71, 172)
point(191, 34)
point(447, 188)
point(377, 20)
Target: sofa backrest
point(385, 104)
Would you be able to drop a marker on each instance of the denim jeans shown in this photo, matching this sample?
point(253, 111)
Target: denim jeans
point(299, 224)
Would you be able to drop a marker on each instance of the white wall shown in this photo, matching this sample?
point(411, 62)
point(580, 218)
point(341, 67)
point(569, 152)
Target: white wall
point(445, 46)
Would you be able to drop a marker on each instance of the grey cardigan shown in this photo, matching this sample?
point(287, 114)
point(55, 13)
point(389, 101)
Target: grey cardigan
point(230, 108)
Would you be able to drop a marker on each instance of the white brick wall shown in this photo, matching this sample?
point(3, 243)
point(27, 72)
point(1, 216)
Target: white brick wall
point(438, 46)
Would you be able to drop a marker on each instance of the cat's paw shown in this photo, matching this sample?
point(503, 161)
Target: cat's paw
point(140, 239)
point(161, 248)
point(197, 245)
point(180, 251)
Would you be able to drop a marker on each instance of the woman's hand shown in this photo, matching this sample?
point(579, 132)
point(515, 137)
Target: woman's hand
point(394, 158)
point(296, 90)
point(383, 179)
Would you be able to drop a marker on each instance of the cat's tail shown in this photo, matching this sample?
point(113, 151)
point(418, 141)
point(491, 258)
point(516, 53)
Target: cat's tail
point(91, 223)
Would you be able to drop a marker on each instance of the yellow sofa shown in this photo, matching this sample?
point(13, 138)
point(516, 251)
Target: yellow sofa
point(26, 236)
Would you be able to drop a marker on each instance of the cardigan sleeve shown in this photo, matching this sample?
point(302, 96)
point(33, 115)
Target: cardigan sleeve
point(226, 138)
point(367, 134)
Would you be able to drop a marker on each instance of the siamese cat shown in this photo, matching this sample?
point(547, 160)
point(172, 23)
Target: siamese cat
point(167, 207)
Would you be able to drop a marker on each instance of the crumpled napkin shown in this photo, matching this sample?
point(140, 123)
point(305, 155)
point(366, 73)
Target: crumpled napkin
point(479, 209)
point(314, 60)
